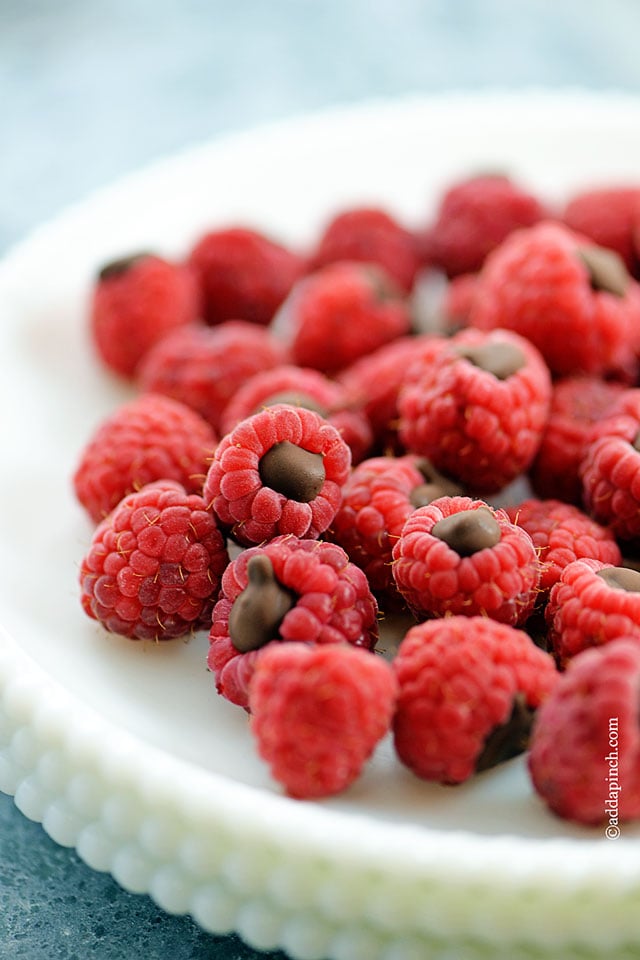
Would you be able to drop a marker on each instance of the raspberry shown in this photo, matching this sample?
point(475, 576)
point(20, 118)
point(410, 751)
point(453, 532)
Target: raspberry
point(149, 438)
point(374, 381)
point(369, 235)
point(243, 274)
point(607, 215)
point(136, 301)
point(574, 301)
point(576, 404)
point(459, 556)
point(204, 366)
point(478, 409)
point(154, 565)
point(340, 313)
point(377, 499)
point(585, 743)
point(317, 714)
point(474, 217)
point(302, 388)
point(468, 687)
point(592, 604)
point(610, 469)
point(291, 590)
point(279, 471)
point(562, 533)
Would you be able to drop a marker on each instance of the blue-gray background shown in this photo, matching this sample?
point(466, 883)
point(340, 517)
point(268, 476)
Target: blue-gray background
point(91, 89)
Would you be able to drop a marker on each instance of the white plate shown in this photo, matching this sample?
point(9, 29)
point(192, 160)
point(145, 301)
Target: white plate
point(124, 750)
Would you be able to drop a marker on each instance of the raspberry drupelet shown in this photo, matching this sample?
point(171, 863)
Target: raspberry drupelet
point(302, 387)
point(149, 438)
point(154, 565)
point(562, 533)
point(204, 366)
point(478, 408)
point(340, 313)
point(610, 469)
point(573, 300)
point(592, 604)
point(279, 471)
point(474, 216)
point(468, 691)
point(608, 216)
point(369, 235)
point(287, 590)
point(136, 301)
point(318, 712)
point(584, 758)
point(243, 274)
point(459, 556)
point(377, 499)
point(577, 403)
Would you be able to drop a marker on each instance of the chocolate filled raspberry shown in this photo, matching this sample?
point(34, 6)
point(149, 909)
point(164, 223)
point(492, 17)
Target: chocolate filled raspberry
point(608, 216)
point(288, 589)
point(279, 471)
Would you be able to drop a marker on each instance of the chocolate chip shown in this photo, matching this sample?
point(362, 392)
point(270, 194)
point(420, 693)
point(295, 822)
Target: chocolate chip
point(607, 270)
point(292, 471)
point(636, 442)
point(435, 485)
point(498, 357)
point(621, 578)
point(295, 399)
point(508, 739)
point(115, 267)
point(256, 614)
point(468, 531)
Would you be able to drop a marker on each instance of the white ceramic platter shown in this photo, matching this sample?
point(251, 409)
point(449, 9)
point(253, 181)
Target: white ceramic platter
point(124, 750)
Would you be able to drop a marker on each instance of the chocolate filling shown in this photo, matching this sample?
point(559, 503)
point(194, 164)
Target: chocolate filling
point(435, 485)
point(508, 739)
point(606, 268)
point(291, 470)
point(256, 614)
point(498, 357)
point(294, 398)
point(116, 267)
point(468, 531)
point(621, 578)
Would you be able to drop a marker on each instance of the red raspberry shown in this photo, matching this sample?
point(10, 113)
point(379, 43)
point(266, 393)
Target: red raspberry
point(288, 589)
point(607, 215)
point(474, 217)
point(576, 404)
point(369, 235)
point(610, 469)
point(204, 366)
point(573, 300)
point(479, 408)
point(243, 274)
point(341, 313)
point(585, 743)
point(279, 471)
point(137, 301)
point(591, 604)
point(302, 387)
point(459, 556)
point(150, 438)
point(374, 381)
point(318, 713)
point(468, 687)
point(562, 533)
point(154, 565)
point(377, 499)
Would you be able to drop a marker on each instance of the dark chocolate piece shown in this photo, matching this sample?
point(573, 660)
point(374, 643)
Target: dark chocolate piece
point(435, 485)
point(256, 614)
point(621, 578)
point(498, 357)
point(115, 267)
point(607, 270)
point(291, 470)
point(468, 531)
point(508, 739)
point(294, 398)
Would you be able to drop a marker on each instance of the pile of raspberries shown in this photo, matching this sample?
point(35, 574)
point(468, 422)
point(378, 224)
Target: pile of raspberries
point(308, 454)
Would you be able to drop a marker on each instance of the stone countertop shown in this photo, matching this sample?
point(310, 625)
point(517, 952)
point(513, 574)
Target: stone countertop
point(91, 90)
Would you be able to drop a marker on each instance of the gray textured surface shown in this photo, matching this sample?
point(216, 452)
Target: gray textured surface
point(90, 89)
